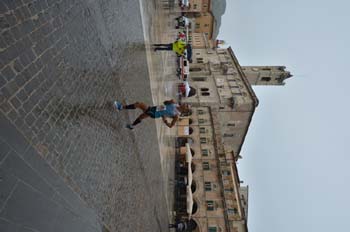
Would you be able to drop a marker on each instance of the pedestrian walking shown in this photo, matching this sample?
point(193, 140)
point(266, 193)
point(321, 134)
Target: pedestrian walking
point(170, 109)
point(179, 226)
point(178, 47)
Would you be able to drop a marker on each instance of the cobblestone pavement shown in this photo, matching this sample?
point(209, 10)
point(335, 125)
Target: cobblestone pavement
point(62, 62)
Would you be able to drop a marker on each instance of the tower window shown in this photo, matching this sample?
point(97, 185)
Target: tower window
point(226, 173)
point(226, 135)
point(204, 89)
point(266, 79)
point(232, 211)
point(205, 93)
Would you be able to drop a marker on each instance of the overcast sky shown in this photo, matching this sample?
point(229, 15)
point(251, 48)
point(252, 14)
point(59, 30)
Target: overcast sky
point(295, 157)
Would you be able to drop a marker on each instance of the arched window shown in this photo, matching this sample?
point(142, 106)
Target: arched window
point(193, 186)
point(192, 152)
point(190, 130)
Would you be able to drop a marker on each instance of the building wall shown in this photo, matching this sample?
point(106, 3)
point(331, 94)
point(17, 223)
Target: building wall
point(204, 24)
point(213, 176)
point(205, 5)
point(221, 114)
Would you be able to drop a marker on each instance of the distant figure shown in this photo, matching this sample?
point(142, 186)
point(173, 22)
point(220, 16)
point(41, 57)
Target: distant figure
point(179, 226)
point(169, 110)
point(178, 47)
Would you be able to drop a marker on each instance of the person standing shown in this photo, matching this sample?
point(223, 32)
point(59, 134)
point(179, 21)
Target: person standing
point(178, 47)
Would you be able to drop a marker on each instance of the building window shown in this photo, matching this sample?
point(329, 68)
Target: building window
point(207, 186)
point(202, 130)
point(205, 152)
point(198, 25)
point(204, 89)
point(210, 205)
point(266, 79)
point(226, 173)
point(200, 112)
point(206, 166)
point(228, 135)
point(212, 229)
point(201, 121)
point(232, 211)
point(203, 140)
point(195, 69)
point(266, 69)
point(198, 79)
point(205, 94)
point(194, 6)
point(231, 124)
point(229, 190)
point(206, 25)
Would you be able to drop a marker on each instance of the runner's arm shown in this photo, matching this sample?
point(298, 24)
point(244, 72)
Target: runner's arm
point(170, 125)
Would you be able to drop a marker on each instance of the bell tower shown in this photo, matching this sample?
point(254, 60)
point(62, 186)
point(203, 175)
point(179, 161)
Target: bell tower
point(266, 75)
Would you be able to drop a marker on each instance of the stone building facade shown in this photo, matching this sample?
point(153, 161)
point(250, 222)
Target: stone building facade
point(221, 114)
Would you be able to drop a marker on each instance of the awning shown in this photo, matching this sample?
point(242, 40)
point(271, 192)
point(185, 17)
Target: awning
point(188, 154)
point(189, 200)
point(186, 130)
point(190, 177)
point(187, 88)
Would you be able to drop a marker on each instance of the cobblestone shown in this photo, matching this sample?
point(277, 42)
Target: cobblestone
point(62, 62)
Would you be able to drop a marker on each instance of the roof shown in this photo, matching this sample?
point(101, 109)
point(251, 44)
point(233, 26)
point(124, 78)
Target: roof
point(251, 92)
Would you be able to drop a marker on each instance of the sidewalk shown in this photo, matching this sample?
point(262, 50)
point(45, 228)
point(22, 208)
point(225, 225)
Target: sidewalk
point(162, 70)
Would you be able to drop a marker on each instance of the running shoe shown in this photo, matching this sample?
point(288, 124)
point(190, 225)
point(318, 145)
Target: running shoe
point(118, 105)
point(129, 126)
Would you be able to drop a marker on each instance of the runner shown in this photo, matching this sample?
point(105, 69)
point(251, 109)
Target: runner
point(170, 109)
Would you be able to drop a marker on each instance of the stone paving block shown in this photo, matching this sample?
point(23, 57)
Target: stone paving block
point(7, 226)
point(11, 136)
point(7, 184)
point(14, 164)
point(8, 73)
point(4, 149)
point(3, 81)
point(28, 207)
